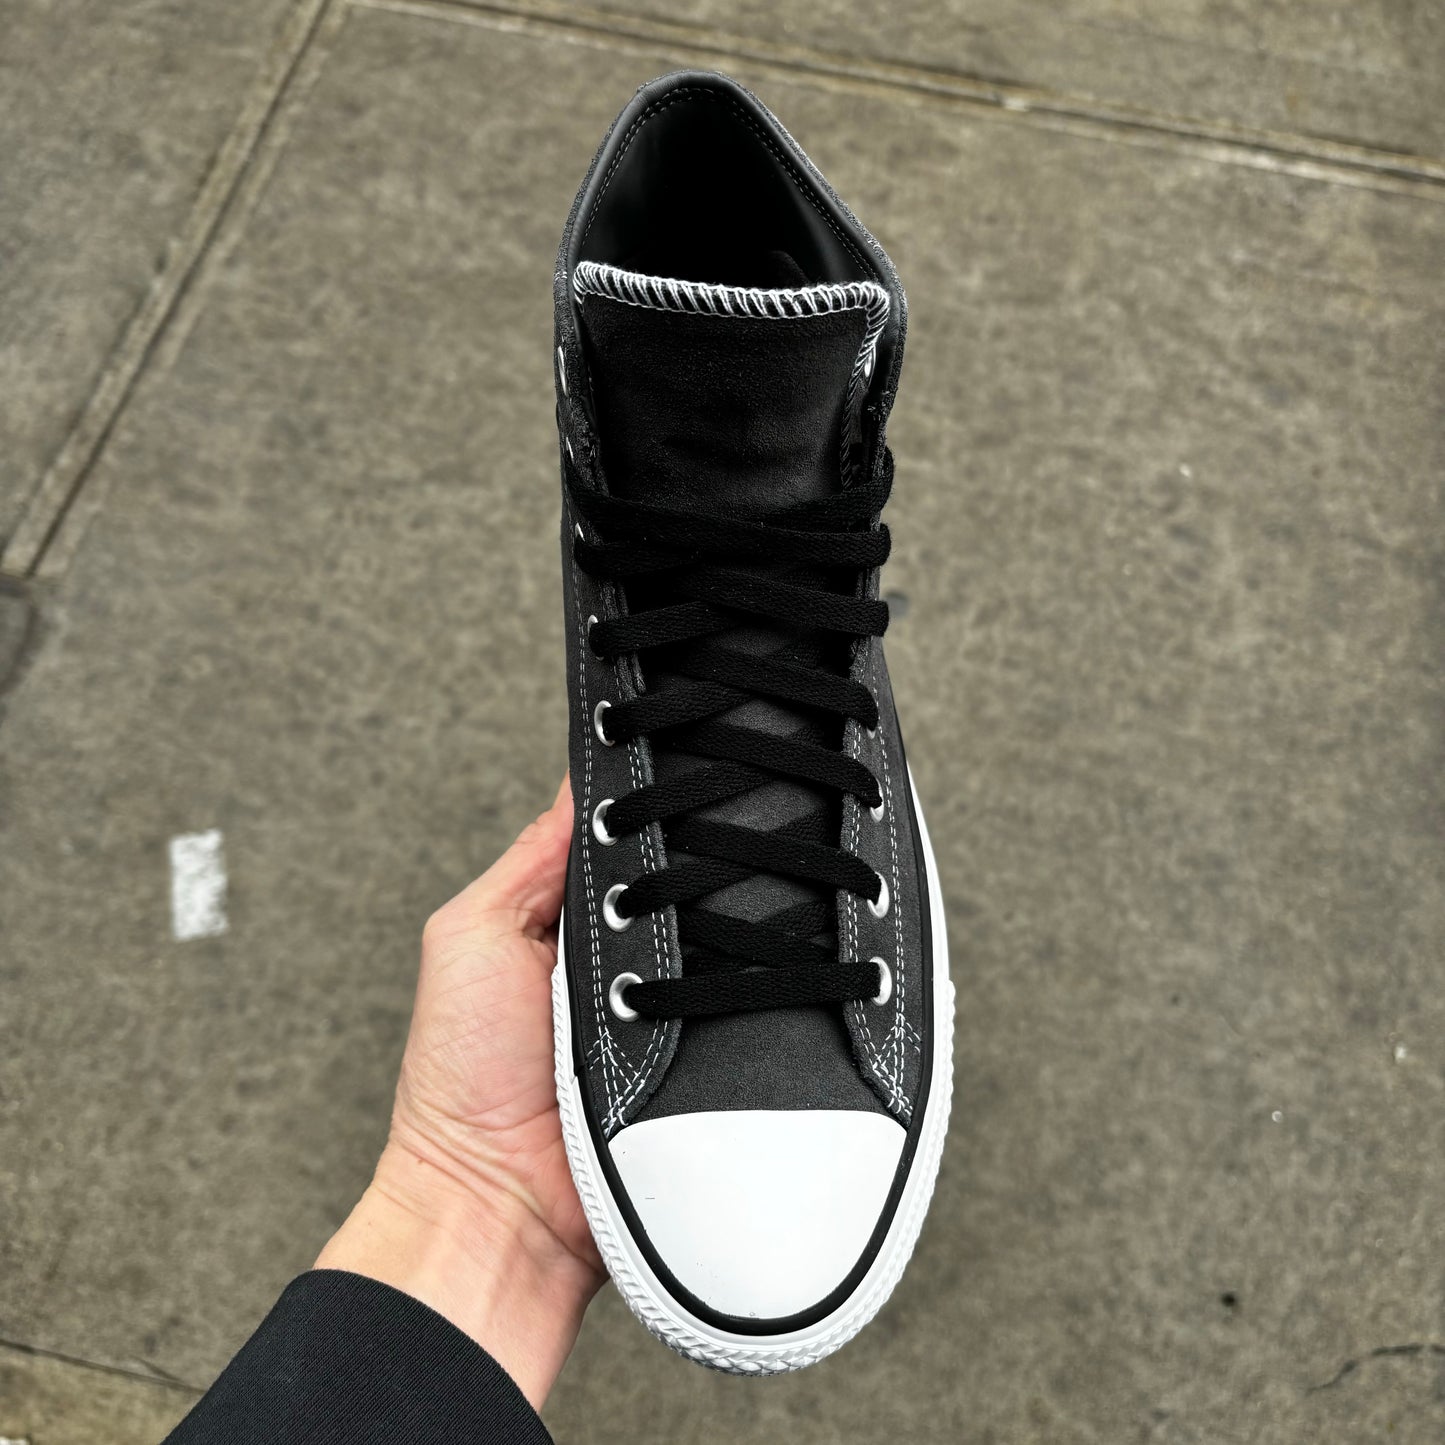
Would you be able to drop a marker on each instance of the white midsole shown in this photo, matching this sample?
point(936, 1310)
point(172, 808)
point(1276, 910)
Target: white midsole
point(646, 1295)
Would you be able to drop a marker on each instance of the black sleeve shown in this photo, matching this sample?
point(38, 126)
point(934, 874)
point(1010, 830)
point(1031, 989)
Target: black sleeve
point(342, 1358)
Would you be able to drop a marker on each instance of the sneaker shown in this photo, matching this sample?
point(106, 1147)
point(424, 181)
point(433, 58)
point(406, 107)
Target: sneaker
point(752, 1002)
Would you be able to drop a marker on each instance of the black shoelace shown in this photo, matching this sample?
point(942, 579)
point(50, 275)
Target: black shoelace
point(713, 573)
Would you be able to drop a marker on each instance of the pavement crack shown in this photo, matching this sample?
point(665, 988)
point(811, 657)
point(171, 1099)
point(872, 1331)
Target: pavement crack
point(160, 1378)
point(19, 631)
point(163, 1376)
point(70, 470)
point(1316, 157)
point(1383, 1352)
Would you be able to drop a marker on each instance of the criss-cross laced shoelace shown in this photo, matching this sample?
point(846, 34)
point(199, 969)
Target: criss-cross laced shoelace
point(715, 572)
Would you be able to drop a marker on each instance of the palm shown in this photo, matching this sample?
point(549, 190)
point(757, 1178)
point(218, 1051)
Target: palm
point(477, 1085)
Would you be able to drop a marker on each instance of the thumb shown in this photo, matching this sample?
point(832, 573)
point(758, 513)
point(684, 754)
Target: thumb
point(522, 891)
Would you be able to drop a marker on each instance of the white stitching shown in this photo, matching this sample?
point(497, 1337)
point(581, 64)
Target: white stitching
point(602, 1032)
point(659, 1028)
point(625, 1083)
point(897, 1099)
point(900, 966)
point(890, 1079)
point(900, 971)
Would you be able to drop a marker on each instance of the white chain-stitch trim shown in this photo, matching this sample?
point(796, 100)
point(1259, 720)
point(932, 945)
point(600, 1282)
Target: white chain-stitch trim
point(780, 303)
point(784, 303)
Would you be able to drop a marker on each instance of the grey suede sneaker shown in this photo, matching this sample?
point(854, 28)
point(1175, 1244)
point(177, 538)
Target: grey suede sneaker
point(752, 1001)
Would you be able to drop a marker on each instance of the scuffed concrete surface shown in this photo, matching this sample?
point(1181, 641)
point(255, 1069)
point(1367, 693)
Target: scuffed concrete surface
point(1167, 531)
point(46, 1401)
point(1366, 71)
point(110, 117)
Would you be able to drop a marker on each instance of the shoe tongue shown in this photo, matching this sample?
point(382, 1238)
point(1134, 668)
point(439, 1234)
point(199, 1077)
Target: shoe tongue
point(728, 399)
point(723, 396)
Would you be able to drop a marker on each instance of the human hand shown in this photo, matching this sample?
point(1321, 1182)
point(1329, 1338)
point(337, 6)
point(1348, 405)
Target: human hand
point(472, 1208)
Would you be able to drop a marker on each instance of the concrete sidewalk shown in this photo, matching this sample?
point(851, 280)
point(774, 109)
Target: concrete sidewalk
point(277, 558)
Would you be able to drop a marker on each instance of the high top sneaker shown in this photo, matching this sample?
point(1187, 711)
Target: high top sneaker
point(752, 1001)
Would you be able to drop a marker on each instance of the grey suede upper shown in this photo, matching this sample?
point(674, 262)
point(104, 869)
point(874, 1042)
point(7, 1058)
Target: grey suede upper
point(790, 1059)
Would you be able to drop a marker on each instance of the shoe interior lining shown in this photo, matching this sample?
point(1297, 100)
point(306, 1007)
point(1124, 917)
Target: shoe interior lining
point(699, 194)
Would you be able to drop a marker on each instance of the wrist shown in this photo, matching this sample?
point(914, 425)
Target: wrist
point(478, 1256)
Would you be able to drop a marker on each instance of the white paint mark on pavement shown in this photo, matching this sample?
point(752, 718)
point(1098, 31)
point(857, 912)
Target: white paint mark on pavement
point(198, 886)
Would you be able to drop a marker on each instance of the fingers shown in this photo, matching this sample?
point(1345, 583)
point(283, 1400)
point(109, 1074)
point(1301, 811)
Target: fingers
point(522, 891)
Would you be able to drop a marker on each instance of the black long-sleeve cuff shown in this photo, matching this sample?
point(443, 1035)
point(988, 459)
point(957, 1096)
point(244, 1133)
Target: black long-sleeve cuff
point(343, 1358)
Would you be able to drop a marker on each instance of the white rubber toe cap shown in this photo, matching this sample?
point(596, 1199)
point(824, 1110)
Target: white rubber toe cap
point(759, 1213)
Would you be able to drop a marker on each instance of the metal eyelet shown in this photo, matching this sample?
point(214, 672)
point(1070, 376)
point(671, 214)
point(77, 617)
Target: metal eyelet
point(614, 920)
point(599, 824)
point(597, 725)
point(577, 533)
point(615, 1000)
point(880, 908)
point(877, 813)
point(562, 370)
point(885, 981)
